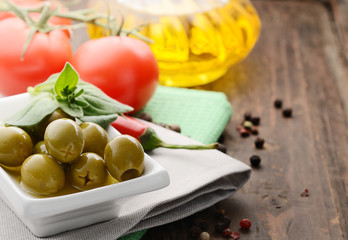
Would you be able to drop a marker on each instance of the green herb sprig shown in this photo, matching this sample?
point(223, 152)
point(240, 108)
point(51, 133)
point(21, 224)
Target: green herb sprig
point(79, 99)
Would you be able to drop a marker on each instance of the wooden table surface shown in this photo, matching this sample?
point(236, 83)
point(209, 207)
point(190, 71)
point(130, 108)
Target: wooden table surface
point(301, 58)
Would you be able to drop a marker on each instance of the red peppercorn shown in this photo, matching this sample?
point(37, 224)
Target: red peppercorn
point(245, 223)
point(244, 133)
point(305, 193)
point(226, 232)
point(235, 235)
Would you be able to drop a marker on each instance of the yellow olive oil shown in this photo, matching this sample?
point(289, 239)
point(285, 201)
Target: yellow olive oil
point(193, 44)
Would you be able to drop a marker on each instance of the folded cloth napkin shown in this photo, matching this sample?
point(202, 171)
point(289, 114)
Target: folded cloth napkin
point(201, 115)
point(198, 179)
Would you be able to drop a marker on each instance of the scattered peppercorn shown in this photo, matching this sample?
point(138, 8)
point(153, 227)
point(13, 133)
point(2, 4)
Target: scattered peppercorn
point(195, 231)
point(162, 125)
point(226, 232)
point(219, 227)
point(259, 142)
point(235, 235)
point(254, 130)
point(255, 121)
point(287, 113)
point(278, 103)
point(174, 127)
point(245, 223)
point(247, 116)
point(247, 125)
point(305, 193)
point(204, 236)
point(255, 160)
point(244, 133)
point(226, 221)
point(146, 117)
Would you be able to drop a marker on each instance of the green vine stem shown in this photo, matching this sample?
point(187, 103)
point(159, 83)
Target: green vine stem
point(81, 17)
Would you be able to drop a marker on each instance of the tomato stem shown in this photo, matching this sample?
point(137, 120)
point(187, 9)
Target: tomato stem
point(150, 141)
point(86, 16)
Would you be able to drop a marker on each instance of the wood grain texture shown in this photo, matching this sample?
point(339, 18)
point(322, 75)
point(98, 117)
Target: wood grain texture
point(340, 13)
point(298, 59)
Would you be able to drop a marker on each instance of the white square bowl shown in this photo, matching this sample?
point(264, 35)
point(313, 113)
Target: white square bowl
point(49, 216)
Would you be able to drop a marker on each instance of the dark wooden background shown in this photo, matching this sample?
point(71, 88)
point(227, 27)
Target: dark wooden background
point(301, 58)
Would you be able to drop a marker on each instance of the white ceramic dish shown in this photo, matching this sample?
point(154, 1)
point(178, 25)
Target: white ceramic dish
point(49, 216)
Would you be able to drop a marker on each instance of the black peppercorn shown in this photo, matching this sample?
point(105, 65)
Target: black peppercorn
point(247, 116)
point(255, 121)
point(278, 103)
point(259, 142)
point(219, 227)
point(255, 160)
point(226, 221)
point(287, 112)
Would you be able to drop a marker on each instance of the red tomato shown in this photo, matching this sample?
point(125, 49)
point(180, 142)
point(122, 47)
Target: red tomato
point(46, 54)
point(123, 67)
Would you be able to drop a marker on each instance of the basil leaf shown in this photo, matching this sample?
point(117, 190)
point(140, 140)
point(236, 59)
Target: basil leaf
point(75, 97)
point(73, 110)
point(34, 112)
point(99, 102)
point(66, 81)
point(102, 120)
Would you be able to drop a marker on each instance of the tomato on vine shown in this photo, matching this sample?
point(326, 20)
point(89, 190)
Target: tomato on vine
point(47, 53)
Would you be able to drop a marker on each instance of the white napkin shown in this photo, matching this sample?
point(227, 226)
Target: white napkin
point(198, 179)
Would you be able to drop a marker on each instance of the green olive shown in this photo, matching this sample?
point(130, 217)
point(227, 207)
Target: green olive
point(38, 130)
point(58, 114)
point(40, 147)
point(124, 157)
point(41, 174)
point(64, 140)
point(95, 138)
point(15, 146)
point(87, 172)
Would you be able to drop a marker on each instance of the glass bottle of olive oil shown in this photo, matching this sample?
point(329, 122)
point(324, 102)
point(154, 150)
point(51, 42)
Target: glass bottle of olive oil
point(194, 41)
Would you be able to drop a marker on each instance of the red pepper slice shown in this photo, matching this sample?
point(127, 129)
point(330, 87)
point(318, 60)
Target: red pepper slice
point(148, 137)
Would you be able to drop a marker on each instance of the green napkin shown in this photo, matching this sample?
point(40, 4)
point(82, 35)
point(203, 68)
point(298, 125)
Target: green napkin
point(201, 115)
